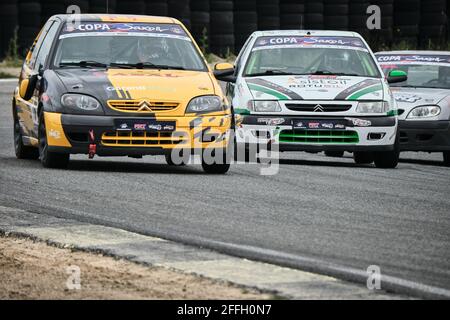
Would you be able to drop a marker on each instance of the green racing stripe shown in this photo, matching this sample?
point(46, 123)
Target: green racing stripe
point(362, 92)
point(265, 90)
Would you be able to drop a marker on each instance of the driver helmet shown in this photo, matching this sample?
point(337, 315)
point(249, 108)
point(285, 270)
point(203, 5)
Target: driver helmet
point(150, 49)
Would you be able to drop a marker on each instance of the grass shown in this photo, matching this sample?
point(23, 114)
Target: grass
point(4, 75)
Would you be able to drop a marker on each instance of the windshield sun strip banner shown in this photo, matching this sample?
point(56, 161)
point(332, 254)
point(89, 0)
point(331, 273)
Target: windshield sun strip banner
point(145, 29)
point(413, 59)
point(273, 89)
point(122, 34)
point(281, 42)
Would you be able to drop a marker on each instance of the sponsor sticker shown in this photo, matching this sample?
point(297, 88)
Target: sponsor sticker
point(309, 41)
point(414, 59)
point(318, 124)
point(145, 125)
point(404, 97)
point(116, 28)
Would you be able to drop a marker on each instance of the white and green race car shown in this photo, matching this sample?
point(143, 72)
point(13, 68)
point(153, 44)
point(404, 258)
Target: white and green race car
point(423, 100)
point(315, 91)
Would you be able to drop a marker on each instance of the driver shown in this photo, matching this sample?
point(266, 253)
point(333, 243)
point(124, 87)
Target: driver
point(151, 50)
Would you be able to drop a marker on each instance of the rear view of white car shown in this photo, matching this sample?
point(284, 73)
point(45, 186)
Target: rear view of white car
point(314, 91)
point(423, 100)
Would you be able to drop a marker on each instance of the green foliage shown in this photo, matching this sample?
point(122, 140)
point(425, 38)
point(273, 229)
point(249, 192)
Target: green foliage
point(12, 58)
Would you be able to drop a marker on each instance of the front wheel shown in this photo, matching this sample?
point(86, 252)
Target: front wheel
point(388, 159)
point(215, 161)
point(50, 159)
point(446, 155)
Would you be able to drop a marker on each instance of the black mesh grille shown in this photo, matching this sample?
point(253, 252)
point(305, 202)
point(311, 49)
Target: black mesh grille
point(315, 107)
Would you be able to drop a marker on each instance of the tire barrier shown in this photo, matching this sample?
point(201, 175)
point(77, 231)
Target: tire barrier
point(383, 37)
point(157, 7)
point(406, 21)
point(130, 7)
point(222, 26)
point(221, 39)
point(292, 14)
point(314, 14)
point(200, 19)
point(433, 23)
point(268, 14)
point(336, 14)
point(245, 21)
point(8, 23)
point(179, 9)
point(357, 17)
point(29, 24)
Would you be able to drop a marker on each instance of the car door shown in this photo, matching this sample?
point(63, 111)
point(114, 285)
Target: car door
point(34, 64)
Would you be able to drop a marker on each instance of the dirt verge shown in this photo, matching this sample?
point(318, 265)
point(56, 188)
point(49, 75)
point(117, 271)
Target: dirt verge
point(35, 270)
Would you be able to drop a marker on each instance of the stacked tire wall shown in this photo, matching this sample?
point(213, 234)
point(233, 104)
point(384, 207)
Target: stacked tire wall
point(221, 38)
point(336, 14)
point(433, 22)
point(383, 37)
point(245, 21)
point(8, 23)
point(222, 26)
point(406, 21)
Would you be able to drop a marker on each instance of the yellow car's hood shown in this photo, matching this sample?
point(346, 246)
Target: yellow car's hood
point(178, 86)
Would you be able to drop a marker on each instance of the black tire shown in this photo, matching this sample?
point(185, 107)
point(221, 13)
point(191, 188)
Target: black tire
point(361, 157)
point(221, 5)
point(446, 155)
point(313, 6)
point(388, 159)
point(216, 168)
point(131, 7)
point(334, 154)
point(22, 151)
point(170, 161)
point(336, 10)
point(50, 159)
point(157, 9)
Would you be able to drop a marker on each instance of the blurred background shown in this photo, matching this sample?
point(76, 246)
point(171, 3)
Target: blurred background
point(222, 26)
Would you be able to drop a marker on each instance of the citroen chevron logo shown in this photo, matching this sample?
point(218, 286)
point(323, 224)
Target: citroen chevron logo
point(318, 108)
point(143, 106)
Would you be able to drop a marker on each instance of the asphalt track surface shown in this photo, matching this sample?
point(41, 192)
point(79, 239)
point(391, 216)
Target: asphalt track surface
point(318, 213)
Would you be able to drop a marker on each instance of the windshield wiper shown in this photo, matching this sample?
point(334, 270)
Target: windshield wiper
point(270, 73)
point(329, 73)
point(145, 65)
point(84, 64)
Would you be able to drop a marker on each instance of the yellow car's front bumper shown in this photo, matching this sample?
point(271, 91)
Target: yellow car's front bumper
point(75, 133)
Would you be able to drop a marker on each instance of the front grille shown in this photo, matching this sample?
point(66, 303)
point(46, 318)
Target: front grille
point(319, 136)
point(142, 139)
point(142, 106)
point(315, 107)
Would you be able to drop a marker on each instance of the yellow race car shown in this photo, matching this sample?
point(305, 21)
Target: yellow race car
point(117, 85)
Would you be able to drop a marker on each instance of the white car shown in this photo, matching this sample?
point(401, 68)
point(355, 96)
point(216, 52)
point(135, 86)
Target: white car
point(423, 100)
point(314, 91)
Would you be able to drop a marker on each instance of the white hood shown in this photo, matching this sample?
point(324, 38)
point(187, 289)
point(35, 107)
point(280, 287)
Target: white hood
point(408, 98)
point(315, 87)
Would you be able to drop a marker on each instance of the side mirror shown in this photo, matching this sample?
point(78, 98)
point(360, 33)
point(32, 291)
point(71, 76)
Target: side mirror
point(395, 76)
point(224, 72)
point(27, 86)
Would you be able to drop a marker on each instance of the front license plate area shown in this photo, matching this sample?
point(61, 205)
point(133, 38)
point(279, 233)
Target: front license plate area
point(311, 124)
point(144, 125)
